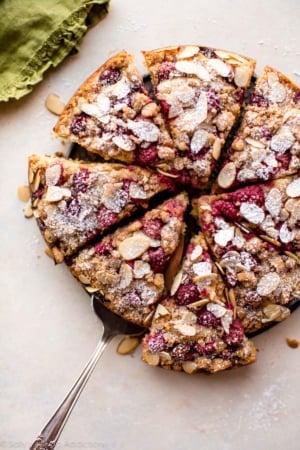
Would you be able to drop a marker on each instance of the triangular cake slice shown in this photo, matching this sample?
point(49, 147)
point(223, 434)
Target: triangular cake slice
point(127, 267)
point(200, 91)
point(112, 115)
point(270, 209)
point(195, 328)
point(263, 279)
point(74, 201)
point(267, 144)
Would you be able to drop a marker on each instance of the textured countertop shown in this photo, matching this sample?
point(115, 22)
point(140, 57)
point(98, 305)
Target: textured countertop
point(47, 328)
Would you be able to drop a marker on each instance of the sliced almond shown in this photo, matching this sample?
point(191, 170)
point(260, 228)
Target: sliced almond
point(30, 175)
point(28, 212)
point(196, 253)
point(293, 189)
point(23, 193)
point(199, 140)
point(242, 75)
point(232, 299)
point(55, 104)
point(49, 252)
point(273, 241)
point(150, 110)
point(53, 174)
point(124, 143)
point(272, 312)
point(199, 303)
point(222, 68)
point(57, 255)
point(254, 143)
point(173, 265)
point(160, 311)
point(201, 108)
point(36, 181)
point(91, 289)
point(220, 268)
point(56, 193)
point(84, 279)
point(186, 330)
point(217, 310)
point(165, 357)
point(227, 175)
point(216, 150)
point(253, 213)
point(293, 256)
point(207, 277)
point(141, 268)
point(134, 246)
point(125, 275)
point(268, 283)
point(193, 68)
point(127, 345)
point(167, 174)
point(187, 51)
point(151, 358)
point(176, 283)
point(189, 367)
point(222, 237)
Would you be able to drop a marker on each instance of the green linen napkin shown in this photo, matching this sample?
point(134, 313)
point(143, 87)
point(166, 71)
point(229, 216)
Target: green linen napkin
point(38, 34)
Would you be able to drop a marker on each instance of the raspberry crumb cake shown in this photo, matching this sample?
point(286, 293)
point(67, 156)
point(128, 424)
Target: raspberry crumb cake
point(127, 267)
point(74, 201)
point(232, 143)
point(195, 328)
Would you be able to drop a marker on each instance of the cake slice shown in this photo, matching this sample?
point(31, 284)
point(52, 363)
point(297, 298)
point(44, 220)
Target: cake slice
point(262, 278)
point(270, 209)
point(200, 91)
point(112, 115)
point(127, 267)
point(74, 201)
point(267, 144)
point(195, 328)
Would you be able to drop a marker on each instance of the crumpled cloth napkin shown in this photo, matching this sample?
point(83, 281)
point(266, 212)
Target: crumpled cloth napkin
point(38, 34)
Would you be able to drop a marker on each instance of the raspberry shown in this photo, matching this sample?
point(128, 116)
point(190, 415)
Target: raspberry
point(224, 208)
point(236, 333)
point(73, 207)
point(186, 294)
point(296, 97)
point(266, 133)
point(146, 156)
point(231, 277)
point(156, 342)
point(182, 351)
point(208, 52)
point(284, 160)
point(133, 299)
point(190, 248)
point(165, 70)
point(206, 349)
point(169, 182)
point(239, 96)
point(152, 228)
point(183, 176)
point(103, 248)
point(78, 125)
point(158, 260)
point(106, 218)
point(252, 299)
point(251, 194)
point(258, 100)
point(175, 207)
point(213, 100)
point(109, 76)
point(79, 180)
point(165, 107)
point(207, 319)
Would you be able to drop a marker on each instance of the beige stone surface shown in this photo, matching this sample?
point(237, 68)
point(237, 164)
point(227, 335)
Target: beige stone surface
point(47, 328)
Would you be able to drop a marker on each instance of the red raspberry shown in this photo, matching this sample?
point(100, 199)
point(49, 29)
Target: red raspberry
point(207, 319)
point(206, 349)
point(239, 96)
point(73, 207)
point(106, 218)
point(258, 100)
point(251, 194)
point(175, 207)
point(213, 100)
point(133, 299)
point(182, 352)
point(152, 228)
point(158, 260)
point(156, 342)
point(169, 182)
point(146, 156)
point(186, 294)
point(296, 97)
point(165, 70)
point(183, 177)
point(236, 333)
point(231, 277)
point(252, 299)
point(79, 180)
point(284, 160)
point(78, 125)
point(225, 209)
point(165, 107)
point(103, 248)
point(109, 76)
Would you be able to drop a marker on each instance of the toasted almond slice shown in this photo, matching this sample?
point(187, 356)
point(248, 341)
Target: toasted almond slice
point(176, 283)
point(167, 174)
point(23, 193)
point(84, 279)
point(216, 150)
point(91, 289)
point(293, 256)
point(227, 175)
point(173, 265)
point(267, 238)
point(151, 358)
point(56, 193)
point(28, 210)
point(165, 357)
point(206, 277)
point(219, 268)
point(293, 189)
point(49, 252)
point(187, 51)
point(268, 283)
point(55, 104)
point(272, 312)
point(161, 311)
point(199, 303)
point(36, 181)
point(186, 330)
point(30, 175)
point(242, 75)
point(134, 246)
point(254, 143)
point(232, 300)
point(189, 367)
point(57, 255)
point(127, 345)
